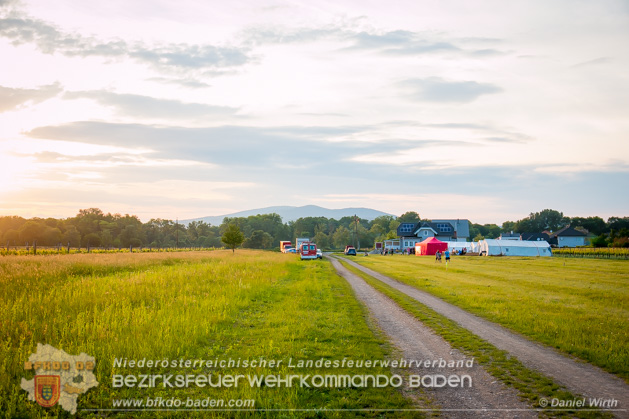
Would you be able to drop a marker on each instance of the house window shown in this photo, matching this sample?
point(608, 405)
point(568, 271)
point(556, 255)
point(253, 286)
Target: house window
point(425, 233)
point(444, 228)
point(406, 228)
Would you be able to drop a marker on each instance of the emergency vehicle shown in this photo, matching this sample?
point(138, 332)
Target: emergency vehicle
point(308, 250)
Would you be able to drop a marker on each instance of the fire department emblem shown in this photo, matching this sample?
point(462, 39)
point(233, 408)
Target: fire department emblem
point(59, 378)
point(47, 389)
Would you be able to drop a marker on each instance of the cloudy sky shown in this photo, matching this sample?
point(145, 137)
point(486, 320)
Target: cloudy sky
point(486, 110)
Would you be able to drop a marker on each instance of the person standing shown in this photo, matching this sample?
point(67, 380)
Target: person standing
point(447, 255)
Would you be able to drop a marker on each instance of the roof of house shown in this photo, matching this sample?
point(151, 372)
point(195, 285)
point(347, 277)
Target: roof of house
point(461, 226)
point(510, 234)
point(406, 229)
point(535, 236)
point(425, 225)
point(444, 228)
point(440, 227)
point(569, 232)
point(411, 229)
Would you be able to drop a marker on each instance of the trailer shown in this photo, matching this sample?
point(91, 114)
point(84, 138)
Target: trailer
point(299, 241)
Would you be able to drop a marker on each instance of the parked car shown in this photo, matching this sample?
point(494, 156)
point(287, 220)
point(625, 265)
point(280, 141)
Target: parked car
point(291, 250)
point(350, 252)
point(319, 254)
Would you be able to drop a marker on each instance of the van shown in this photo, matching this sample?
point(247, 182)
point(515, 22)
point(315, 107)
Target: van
point(308, 250)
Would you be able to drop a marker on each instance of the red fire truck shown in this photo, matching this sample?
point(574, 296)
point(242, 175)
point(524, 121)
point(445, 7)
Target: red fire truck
point(285, 245)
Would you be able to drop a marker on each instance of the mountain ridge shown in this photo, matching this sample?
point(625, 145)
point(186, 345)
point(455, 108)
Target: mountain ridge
point(292, 213)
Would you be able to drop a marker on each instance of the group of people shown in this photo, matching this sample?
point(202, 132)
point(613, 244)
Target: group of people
point(446, 253)
point(438, 255)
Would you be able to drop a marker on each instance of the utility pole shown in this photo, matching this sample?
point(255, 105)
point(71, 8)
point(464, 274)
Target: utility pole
point(356, 241)
point(177, 232)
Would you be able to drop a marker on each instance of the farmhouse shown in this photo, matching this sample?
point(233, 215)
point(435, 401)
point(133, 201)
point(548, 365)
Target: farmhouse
point(568, 237)
point(410, 234)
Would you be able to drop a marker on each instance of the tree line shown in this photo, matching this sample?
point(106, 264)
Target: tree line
point(611, 233)
point(93, 228)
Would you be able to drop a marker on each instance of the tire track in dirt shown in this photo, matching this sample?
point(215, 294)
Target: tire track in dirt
point(579, 377)
point(486, 398)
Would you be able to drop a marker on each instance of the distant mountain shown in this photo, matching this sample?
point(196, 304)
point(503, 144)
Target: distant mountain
point(293, 213)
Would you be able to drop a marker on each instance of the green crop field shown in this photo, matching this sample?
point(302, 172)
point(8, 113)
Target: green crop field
point(580, 306)
point(197, 305)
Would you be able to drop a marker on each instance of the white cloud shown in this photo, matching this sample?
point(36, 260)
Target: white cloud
point(14, 98)
point(436, 89)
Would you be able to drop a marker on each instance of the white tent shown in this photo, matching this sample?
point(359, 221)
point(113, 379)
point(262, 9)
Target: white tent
point(452, 246)
point(492, 247)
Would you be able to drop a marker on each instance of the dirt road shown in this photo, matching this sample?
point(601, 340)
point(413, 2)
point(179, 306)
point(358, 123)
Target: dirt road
point(579, 377)
point(486, 398)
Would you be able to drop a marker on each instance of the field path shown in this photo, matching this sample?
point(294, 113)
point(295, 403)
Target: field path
point(486, 398)
point(579, 377)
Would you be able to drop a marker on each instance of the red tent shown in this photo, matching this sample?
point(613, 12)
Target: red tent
point(430, 247)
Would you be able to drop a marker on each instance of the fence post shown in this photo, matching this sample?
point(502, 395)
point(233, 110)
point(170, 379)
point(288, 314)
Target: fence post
point(35, 247)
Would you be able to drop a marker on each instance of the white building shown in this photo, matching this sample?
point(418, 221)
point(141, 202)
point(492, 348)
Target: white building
point(569, 237)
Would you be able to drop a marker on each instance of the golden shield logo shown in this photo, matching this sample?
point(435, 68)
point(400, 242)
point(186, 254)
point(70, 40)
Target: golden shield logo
point(47, 389)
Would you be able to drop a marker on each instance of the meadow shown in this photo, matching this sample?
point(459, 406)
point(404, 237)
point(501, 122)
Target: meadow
point(579, 306)
point(197, 305)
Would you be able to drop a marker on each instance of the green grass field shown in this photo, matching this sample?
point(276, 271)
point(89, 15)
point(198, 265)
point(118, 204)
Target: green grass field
point(187, 305)
point(580, 306)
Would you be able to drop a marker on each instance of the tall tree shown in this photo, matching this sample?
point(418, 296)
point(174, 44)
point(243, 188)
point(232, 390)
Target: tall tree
point(341, 237)
point(232, 237)
point(259, 239)
point(508, 226)
point(31, 231)
point(595, 225)
point(547, 219)
point(617, 223)
point(409, 217)
point(322, 240)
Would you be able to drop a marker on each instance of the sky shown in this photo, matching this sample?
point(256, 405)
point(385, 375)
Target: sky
point(486, 110)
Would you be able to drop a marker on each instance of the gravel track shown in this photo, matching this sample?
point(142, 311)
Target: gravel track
point(579, 377)
point(486, 398)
